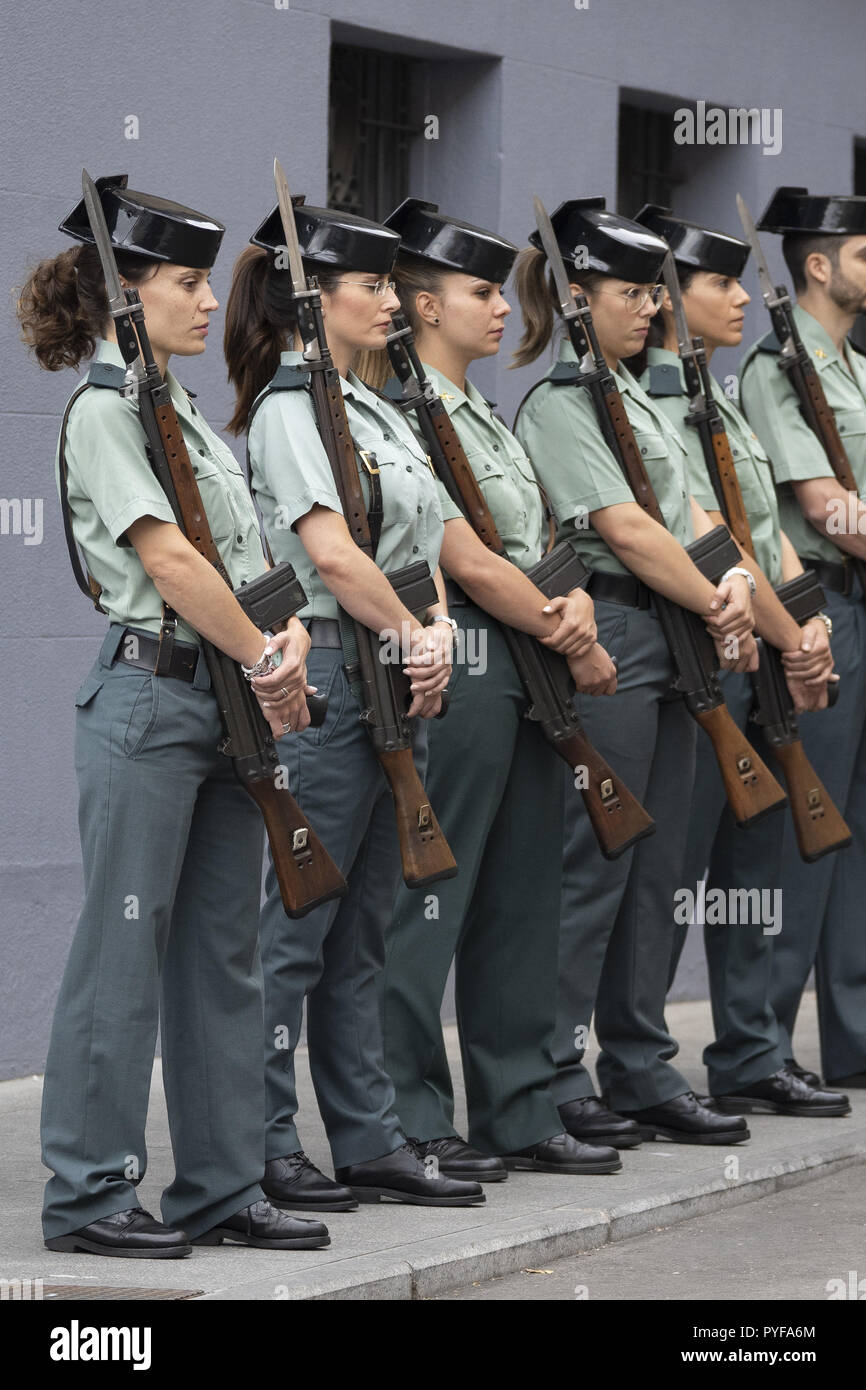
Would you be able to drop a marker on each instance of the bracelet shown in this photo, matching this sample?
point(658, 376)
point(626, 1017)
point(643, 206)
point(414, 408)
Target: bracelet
point(443, 618)
point(737, 569)
point(827, 621)
point(263, 665)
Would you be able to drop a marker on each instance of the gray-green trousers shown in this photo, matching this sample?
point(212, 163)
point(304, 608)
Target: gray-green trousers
point(748, 1045)
point(172, 849)
point(333, 956)
point(495, 786)
point(824, 903)
point(617, 916)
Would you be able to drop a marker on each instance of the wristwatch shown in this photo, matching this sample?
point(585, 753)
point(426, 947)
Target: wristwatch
point(443, 618)
point(750, 578)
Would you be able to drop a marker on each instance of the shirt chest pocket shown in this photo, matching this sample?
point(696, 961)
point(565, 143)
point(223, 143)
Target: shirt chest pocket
point(504, 497)
point(851, 424)
point(218, 487)
point(407, 487)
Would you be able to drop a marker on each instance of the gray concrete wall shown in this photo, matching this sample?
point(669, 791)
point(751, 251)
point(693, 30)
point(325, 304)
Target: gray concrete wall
point(527, 97)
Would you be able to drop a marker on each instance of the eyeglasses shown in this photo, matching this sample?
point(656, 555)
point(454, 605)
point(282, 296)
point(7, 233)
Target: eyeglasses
point(379, 287)
point(635, 298)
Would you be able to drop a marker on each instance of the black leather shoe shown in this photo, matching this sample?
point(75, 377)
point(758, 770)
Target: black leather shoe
point(590, 1120)
point(295, 1184)
point(457, 1159)
point(783, 1093)
point(855, 1082)
point(563, 1154)
point(132, 1234)
point(811, 1078)
point(404, 1177)
point(684, 1120)
point(268, 1229)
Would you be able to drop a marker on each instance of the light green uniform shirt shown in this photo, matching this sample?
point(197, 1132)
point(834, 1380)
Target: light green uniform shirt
point(291, 474)
point(111, 485)
point(770, 402)
point(560, 432)
point(504, 473)
point(750, 461)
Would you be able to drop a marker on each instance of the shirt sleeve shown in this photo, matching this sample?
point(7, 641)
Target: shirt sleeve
point(450, 509)
point(560, 433)
point(106, 462)
point(287, 458)
point(770, 404)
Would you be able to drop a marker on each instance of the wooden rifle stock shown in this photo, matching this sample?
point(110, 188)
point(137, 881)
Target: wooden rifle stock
point(750, 787)
point(818, 825)
point(306, 874)
point(423, 848)
point(616, 816)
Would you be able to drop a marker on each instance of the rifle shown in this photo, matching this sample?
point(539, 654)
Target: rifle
point(306, 874)
point(818, 825)
point(617, 818)
point(424, 851)
point(795, 361)
point(751, 789)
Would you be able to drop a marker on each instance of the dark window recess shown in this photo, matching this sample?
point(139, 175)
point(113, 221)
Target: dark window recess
point(371, 129)
point(645, 155)
point(858, 332)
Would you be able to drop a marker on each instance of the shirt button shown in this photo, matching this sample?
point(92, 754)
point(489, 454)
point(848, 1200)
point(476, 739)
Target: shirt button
point(201, 451)
point(496, 448)
point(240, 540)
point(386, 436)
point(487, 466)
point(419, 511)
point(414, 550)
point(408, 468)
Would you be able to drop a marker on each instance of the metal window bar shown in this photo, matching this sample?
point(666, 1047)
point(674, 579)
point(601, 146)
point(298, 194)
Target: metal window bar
point(646, 147)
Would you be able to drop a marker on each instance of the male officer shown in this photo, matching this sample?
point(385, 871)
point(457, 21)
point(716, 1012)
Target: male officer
point(824, 245)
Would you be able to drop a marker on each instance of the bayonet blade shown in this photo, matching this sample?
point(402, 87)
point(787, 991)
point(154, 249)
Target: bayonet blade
point(671, 279)
point(99, 227)
point(767, 288)
point(554, 259)
point(290, 231)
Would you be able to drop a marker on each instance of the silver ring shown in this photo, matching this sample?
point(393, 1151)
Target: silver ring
point(287, 729)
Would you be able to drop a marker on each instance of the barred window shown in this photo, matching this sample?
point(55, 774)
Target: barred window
point(645, 155)
point(371, 128)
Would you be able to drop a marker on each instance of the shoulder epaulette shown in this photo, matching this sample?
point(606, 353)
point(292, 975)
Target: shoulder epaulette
point(106, 374)
point(563, 374)
point(289, 377)
point(769, 342)
point(665, 379)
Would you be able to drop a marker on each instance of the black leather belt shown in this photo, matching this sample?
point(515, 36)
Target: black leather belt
point(619, 588)
point(454, 594)
point(324, 632)
point(182, 663)
point(839, 578)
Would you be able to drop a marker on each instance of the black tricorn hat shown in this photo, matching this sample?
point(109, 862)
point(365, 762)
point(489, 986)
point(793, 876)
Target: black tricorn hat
point(149, 226)
point(613, 245)
point(694, 245)
point(338, 240)
point(428, 233)
point(795, 210)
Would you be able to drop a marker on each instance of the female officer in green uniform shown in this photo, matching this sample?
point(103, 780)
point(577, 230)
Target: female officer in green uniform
point(172, 844)
point(617, 917)
point(746, 1063)
point(496, 784)
point(334, 956)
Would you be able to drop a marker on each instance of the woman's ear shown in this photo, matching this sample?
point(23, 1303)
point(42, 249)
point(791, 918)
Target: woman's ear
point(427, 307)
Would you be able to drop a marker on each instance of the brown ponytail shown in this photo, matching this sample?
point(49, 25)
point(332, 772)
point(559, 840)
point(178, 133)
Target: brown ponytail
point(413, 276)
point(538, 300)
point(260, 324)
point(63, 304)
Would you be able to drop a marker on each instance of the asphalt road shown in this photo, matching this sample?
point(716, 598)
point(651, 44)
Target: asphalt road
point(803, 1243)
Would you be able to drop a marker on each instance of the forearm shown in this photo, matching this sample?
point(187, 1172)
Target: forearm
point(362, 589)
point(835, 513)
point(651, 553)
point(192, 587)
point(791, 563)
point(506, 593)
